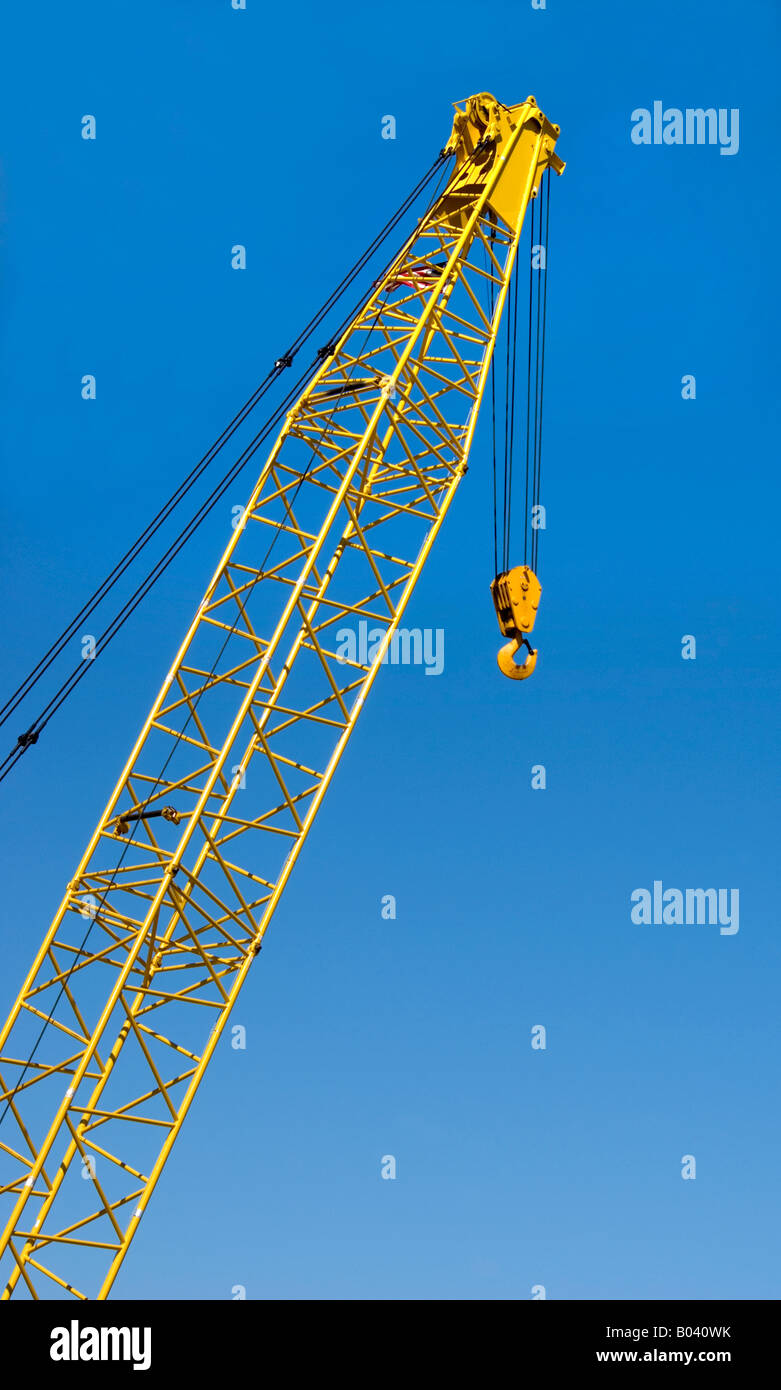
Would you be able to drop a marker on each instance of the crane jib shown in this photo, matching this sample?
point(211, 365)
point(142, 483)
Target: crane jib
point(130, 991)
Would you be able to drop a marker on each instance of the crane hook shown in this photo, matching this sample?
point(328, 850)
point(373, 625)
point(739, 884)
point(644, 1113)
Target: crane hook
point(516, 595)
point(507, 664)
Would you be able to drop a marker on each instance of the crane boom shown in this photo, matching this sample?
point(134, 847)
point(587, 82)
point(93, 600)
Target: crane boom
point(136, 978)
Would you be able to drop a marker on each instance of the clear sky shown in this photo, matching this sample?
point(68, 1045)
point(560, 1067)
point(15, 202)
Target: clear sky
point(515, 1167)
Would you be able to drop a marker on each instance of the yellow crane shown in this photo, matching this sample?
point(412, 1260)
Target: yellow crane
point(135, 980)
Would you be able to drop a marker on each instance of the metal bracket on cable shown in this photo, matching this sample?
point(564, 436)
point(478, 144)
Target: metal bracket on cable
point(125, 818)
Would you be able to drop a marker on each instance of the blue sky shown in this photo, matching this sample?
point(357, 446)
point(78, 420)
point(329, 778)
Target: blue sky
point(365, 1037)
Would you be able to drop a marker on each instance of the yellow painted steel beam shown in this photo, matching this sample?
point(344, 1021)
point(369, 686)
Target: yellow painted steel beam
point(163, 918)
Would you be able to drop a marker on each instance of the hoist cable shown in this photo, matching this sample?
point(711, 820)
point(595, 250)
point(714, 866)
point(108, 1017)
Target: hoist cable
point(537, 483)
point(189, 481)
point(536, 397)
point(514, 297)
point(528, 394)
point(535, 382)
point(505, 498)
point(492, 304)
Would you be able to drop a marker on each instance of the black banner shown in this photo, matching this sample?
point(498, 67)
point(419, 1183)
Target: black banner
point(166, 1340)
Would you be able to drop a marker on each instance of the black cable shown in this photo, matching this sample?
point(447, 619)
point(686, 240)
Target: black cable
point(536, 537)
point(492, 304)
point(60, 695)
point(46, 660)
point(184, 487)
point(31, 734)
point(536, 388)
point(514, 294)
point(506, 496)
point(528, 394)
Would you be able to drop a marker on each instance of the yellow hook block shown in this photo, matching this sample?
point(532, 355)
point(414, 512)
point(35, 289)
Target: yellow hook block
point(516, 595)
